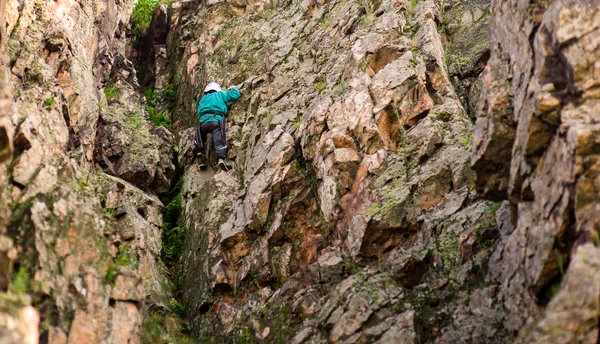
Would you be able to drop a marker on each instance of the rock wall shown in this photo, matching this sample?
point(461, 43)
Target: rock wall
point(80, 222)
point(364, 204)
point(535, 147)
point(350, 215)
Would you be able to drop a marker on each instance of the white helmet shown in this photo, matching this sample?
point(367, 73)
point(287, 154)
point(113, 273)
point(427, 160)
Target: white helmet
point(213, 86)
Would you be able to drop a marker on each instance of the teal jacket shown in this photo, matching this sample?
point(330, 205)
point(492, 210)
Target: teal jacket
point(216, 104)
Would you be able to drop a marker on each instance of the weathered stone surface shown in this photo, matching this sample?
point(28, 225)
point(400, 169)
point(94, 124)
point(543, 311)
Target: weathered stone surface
point(76, 245)
point(468, 48)
point(535, 146)
point(572, 314)
point(18, 322)
point(351, 215)
point(351, 149)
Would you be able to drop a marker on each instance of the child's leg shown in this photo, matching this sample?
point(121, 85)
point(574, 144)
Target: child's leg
point(219, 141)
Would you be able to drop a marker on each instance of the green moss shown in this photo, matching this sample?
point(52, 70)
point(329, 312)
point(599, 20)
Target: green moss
point(320, 84)
point(278, 317)
point(340, 88)
point(20, 282)
point(158, 119)
point(111, 92)
point(177, 307)
point(448, 249)
point(297, 122)
point(270, 115)
point(413, 4)
point(154, 330)
point(125, 258)
point(465, 142)
point(154, 99)
point(49, 102)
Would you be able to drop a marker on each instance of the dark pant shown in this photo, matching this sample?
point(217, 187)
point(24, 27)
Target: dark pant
point(219, 138)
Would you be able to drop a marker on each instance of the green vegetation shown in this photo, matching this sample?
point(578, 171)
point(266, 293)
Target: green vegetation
point(340, 88)
point(153, 99)
point(465, 142)
point(297, 122)
point(172, 236)
point(154, 331)
point(21, 282)
point(410, 28)
point(111, 92)
point(49, 102)
point(111, 213)
point(177, 306)
point(159, 119)
point(320, 84)
point(142, 15)
point(369, 18)
point(169, 93)
point(270, 115)
point(413, 4)
point(166, 326)
point(279, 318)
point(125, 258)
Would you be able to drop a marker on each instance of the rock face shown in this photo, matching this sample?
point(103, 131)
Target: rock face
point(364, 205)
point(535, 147)
point(350, 215)
point(80, 241)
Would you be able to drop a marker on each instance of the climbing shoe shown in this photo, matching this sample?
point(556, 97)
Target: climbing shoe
point(225, 166)
point(202, 162)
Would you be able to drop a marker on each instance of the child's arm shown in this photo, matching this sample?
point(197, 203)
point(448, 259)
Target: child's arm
point(231, 95)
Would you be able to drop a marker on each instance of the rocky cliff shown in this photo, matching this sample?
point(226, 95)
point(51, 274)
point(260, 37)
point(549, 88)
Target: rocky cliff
point(80, 221)
point(404, 172)
point(351, 214)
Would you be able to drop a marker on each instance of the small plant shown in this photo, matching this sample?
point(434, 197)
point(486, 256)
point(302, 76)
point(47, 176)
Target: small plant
point(49, 102)
point(270, 116)
point(320, 84)
point(173, 242)
point(369, 18)
point(177, 306)
point(134, 121)
point(169, 93)
point(413, 5)
point(20, 282)
point(153, 99)
point(467, 140)
point(340, 88)
point(158, 119)
point(111, 92)
point(126, 257)
point(297, 122)
point(111, 213)
point(561, 266)
point(410, 28)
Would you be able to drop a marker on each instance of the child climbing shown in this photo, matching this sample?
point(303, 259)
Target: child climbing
point(212, 110)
